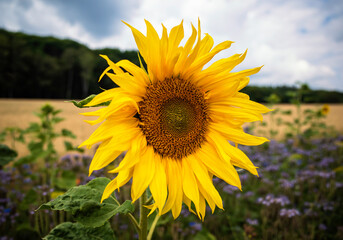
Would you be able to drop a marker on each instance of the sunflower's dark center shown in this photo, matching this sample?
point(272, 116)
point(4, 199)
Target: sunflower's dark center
point(174, 117)
point(177, 116)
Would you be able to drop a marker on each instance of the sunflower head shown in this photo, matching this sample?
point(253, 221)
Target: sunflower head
point(179, 122)
point(325, 110)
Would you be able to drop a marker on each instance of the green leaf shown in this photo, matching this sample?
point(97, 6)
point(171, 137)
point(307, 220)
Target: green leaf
point(69, 147)
point(57, 119)
point(74, 199)
point(84, 203)
point(82, 103)
point(76, 231)
point(6, 155)
point(67, 133)
point(55, 112)
point(94, 216)
point(34, 127)
point(24, 160)
point(66, 180)
point(36, 147)
point(3, 135)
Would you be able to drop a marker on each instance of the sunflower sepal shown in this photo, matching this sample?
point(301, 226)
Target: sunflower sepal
point(82, 103)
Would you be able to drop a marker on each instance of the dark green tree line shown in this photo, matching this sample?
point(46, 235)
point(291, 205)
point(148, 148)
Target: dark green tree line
point(47, 67)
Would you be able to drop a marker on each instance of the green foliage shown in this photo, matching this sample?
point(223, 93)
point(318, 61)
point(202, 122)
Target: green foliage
point(38, 170)
point(65, 180)
point(77, 231)
point(7, 155)
point(259, 93)
point(47, 67)
point(82, 103)
point(67, 133)
point(41, 136)
point(84, 204)
point(306, 123)
point(69, 147)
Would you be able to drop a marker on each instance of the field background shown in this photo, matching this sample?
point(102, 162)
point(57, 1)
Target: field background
point(19, 113)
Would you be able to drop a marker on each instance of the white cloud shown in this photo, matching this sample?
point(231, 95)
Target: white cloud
point(295, 40)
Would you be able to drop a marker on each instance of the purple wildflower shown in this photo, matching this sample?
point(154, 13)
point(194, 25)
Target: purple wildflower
point(229, 189)
point(290, 213)
point(322, 227)
point(325, 162)
point(270, 200)
point(195, 226)
point(287, 183)
point(253, 222)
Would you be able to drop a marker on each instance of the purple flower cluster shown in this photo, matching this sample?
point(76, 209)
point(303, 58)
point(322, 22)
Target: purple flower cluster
point(230, 189)
point(289, 213)
point(325, 162)
point(285, 183)
point(311, 174)
point(252, 222)
point(271, 200)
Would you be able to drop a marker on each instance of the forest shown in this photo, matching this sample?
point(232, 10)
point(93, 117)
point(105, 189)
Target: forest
point(48, 67)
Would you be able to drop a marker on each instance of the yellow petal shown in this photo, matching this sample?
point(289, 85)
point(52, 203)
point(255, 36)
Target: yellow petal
point(200, 62)
point(95, 113)
point(140, 76)
point(245, 103)
point(123, 101)
point(173, 182)
point(177, 206)
point(138, 147)
point(190, 187)
point(143, 173)
point(238, 158)
point(237, 135)
point(232, 112)
point(202, 207)
point(112, 66)
point(140, 40)
point(158, 185)
point(110, 188)
point(124, 176)
point(105, 96)
point(103, 156)
point(205, 183)
point(218, 165)
point(153, 55)
point(226, 64)
point(206, 45)
point(185, 51)
point(127, 82)
point(111, 128)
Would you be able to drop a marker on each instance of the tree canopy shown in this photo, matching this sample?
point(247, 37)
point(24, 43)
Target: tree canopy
point(47, 67)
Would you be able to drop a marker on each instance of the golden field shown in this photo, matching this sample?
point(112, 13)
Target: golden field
point(19, 113)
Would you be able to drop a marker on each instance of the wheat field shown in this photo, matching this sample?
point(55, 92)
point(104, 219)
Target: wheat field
point(19, 113)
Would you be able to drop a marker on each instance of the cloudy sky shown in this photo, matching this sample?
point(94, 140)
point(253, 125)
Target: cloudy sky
point(295, 40)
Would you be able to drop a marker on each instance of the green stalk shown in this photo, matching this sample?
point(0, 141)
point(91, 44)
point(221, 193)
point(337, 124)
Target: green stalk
point(143, 218)
point(131, 217)
point(153, 225)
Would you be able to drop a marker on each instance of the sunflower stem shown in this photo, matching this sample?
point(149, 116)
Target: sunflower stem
point(143, 221)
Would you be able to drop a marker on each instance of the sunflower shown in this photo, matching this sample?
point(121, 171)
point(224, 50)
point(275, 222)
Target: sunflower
point(179, 122)
point(325, 110)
